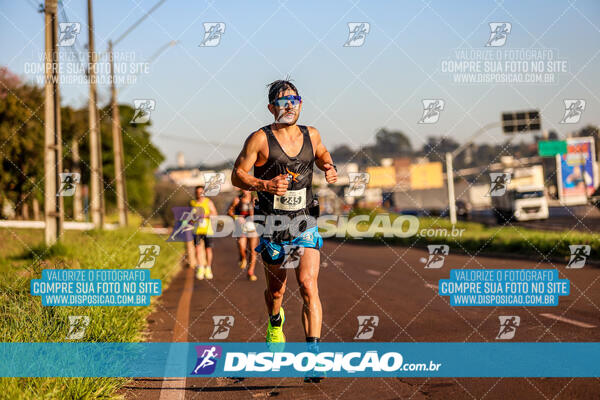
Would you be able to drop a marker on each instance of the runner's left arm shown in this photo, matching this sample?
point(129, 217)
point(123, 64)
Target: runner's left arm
point(323, 159)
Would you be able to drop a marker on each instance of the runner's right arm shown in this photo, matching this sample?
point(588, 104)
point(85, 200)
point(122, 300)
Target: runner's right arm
point(240, 176)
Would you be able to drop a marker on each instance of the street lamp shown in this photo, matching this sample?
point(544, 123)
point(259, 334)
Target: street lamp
point(511, 122)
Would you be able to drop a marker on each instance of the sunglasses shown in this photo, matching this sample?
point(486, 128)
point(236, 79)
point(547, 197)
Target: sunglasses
point(282, 101)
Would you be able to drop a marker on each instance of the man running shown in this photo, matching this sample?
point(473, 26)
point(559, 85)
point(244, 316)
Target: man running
point(204, 208)
point(240, 209)
point(283, 155)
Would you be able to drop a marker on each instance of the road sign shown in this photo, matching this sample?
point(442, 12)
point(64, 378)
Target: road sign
point(521, 121)
point(550, 148)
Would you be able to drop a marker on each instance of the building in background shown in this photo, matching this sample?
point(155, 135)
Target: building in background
point(402, 168)
point(427, 175)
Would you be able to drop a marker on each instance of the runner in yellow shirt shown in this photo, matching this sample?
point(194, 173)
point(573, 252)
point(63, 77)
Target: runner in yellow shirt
point(205, 208)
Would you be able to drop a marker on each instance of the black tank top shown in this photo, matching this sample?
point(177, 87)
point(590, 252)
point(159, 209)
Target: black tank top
point(298, 197)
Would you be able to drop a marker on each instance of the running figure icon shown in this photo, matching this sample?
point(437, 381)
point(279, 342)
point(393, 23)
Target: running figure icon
point(207, 360)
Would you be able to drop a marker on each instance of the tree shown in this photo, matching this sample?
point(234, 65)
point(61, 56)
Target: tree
point(589, 130)
point(391, 143)
point(342, 153)
point(22, 147)
point(141, 160)
point(21, 139)
point(436, 148)
point(74, 125)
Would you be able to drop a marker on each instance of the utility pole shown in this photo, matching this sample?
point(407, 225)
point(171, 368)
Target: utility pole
point(450, 177)
point(100, 164)
point(53, 211)
point(117, 144)
point(95, 150)
point(77, 197)
point(117, 134)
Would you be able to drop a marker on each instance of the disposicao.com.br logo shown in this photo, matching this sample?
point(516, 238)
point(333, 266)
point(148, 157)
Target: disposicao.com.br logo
point(370, 361)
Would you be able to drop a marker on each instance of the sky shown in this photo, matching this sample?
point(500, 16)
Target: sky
point(208, 99)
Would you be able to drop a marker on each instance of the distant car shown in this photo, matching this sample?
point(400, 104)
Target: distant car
point(522, 203)
point(415, 212)
point(463, 210)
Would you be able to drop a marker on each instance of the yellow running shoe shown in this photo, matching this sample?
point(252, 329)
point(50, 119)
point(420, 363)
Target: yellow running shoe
point(275, 336)
point(242, 264)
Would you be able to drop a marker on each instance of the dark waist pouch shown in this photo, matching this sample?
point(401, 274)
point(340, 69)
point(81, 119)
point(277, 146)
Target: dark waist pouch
point(273, 228)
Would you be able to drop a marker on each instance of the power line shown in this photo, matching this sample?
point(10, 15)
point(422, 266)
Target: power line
point(132, 27)
point(139, 21)
point(72, 49)
point(160, 50)
point(154, 57)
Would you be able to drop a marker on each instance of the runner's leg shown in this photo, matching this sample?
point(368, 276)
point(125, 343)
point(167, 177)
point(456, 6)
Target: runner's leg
point(209, 255)
point(208, 247)
point(253, 242)
point(200, 256)
point(307, 274)
point(276, 281)
point(242, 243)
point(200, 259)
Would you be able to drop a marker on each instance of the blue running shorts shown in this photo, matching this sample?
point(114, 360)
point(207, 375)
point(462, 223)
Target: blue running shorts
point(274, 253)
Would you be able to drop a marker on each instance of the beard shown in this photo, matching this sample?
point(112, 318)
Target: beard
point(287, 117)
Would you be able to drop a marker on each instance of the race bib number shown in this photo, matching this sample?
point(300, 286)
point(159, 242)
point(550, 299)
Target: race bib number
point(292, 200)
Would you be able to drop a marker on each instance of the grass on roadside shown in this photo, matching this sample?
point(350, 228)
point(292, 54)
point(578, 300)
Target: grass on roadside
point(477, 238)
point(24, 319)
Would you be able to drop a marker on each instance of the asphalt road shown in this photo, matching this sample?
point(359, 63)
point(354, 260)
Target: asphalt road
point(391, 283)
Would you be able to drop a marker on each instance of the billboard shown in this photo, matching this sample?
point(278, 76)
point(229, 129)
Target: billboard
point(402, 166)
point(426, 176)
point(381, 177)
point(576, 171)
